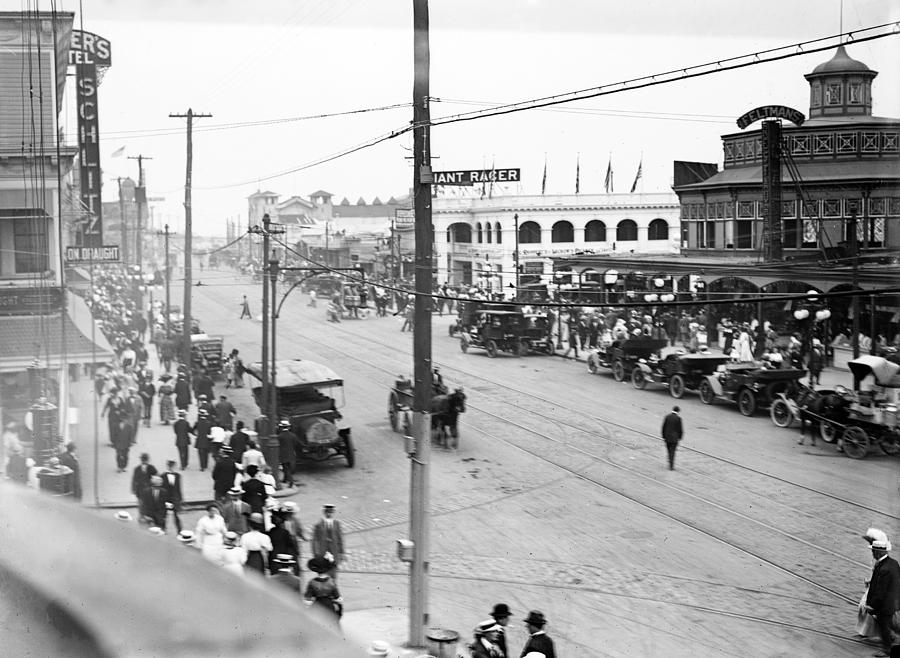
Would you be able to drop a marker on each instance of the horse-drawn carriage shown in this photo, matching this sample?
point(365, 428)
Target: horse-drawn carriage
point(445, 410)
point(750, 385)
point(623, 356)
point(859, 420)
point(308, 398)
point(678, 372)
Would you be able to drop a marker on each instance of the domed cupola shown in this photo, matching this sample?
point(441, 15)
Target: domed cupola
point(842, 86)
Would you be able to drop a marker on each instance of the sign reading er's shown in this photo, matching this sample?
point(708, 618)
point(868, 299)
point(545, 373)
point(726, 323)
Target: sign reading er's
point(771, 112)
point(473, 176)
point(104, 254)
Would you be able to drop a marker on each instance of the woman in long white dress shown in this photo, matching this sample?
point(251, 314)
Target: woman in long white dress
point(744, 348)
point(210, 532)
point(232, 557)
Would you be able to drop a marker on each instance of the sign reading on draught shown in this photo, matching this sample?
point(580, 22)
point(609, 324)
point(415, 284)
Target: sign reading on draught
point(472, 176)
point(105, 254)
point(771, 112)
point(89, 53)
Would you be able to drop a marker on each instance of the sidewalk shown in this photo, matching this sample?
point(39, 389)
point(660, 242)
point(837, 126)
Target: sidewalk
point(113, 489)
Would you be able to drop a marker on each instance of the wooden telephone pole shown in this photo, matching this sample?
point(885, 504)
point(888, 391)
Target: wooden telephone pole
point(421, 425)
point(186, 328)
point(140, 198)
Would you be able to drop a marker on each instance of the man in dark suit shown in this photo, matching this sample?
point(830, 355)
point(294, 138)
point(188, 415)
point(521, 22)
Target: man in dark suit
point(201, 432)
point(70, 459)
point(254, 490)
point(538, 640)
point(182, 437)
point(883, 599)
point(140, 482)
point(172, 487)
point(238, 442)
point(328, 539)
point(671, 433)
point(154, 502)
point(223, 473)
point(501, 614)
point(287, 455)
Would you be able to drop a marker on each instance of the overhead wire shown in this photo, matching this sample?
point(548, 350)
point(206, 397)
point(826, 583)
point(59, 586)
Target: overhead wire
point(719, 66)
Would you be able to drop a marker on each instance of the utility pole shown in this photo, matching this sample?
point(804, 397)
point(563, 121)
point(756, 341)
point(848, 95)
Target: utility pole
point(123, 223)
point(168, 275)
point(186, 328)
point(516, 253)
point(140, 197)
point(422, 371)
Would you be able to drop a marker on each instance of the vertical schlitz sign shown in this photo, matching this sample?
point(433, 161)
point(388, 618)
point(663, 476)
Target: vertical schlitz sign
point(90, 54)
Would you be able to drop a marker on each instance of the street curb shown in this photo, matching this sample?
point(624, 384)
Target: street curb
point(188, 504)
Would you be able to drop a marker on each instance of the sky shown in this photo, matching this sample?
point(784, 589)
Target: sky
point(293, 59)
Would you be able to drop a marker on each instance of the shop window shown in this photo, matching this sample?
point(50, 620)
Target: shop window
point(595, 231)
point(530, 233)
point(459, 232)
point(743, 234)
point(30, 241)
point(659, 230)
point(626, 231)
point(563, 232)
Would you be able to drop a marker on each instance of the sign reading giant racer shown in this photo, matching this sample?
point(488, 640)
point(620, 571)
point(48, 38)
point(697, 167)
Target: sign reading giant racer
point(472, 176)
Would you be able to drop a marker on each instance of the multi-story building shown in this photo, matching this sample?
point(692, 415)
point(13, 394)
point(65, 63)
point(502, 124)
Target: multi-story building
point(482, 241)
point(44, 331)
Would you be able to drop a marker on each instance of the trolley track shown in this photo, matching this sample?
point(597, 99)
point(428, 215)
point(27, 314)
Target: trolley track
point(598, 483)
point(611, 422)
point(607, 436)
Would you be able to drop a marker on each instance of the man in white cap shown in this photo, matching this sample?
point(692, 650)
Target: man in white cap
point(883, 599)
point(815, 361)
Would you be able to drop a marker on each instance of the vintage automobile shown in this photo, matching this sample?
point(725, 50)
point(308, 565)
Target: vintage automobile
point(622, 356)
point(868, 418)
point(678, 372)
point(445, 410)
point(308, 397)
point(495, 332)
point(467, 313)
point(536, 331)
point(749, 384)
point(206, 354)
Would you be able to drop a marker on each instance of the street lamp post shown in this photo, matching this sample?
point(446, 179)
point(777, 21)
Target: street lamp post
point(516, 252)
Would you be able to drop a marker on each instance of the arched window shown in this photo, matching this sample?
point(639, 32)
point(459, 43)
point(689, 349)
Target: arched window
point(626, 231)
point(529, 233)
point(499, 239)
point(563, 232)
point(659, 230)
point(488, 232)
point(595, 231)
point(480, 233)
point(459, 232)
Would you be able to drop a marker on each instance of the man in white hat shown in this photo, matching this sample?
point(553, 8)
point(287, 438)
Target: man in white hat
point(883, 599)
point(235, 511)
point(815, 361)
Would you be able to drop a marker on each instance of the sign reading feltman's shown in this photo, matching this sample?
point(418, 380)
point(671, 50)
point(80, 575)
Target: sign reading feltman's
point(473, 176)
point(105, 254)
point(771, 112)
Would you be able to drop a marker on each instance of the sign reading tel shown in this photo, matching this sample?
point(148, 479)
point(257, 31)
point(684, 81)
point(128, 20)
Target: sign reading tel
point(472, 176)
point(106, 254)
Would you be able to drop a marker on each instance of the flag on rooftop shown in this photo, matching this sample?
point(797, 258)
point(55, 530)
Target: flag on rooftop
point(637, 176)
point(577, 173)
point(544, 179)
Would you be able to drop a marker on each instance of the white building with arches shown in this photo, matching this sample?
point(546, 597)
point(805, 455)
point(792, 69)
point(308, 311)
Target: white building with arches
point(476, 240)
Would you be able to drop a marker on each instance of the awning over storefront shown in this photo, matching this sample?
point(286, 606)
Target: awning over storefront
point(26, 340)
